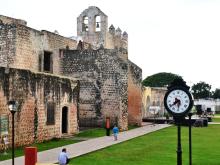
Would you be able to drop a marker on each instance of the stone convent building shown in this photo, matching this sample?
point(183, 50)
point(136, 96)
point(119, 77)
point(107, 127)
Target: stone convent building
point(61, 84)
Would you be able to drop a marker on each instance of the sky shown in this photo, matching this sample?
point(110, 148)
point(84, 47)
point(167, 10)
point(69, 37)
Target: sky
point(175, 36)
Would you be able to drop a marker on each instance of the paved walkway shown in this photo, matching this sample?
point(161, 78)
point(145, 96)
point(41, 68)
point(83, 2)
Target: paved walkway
point(213, 122)
point(77, 149)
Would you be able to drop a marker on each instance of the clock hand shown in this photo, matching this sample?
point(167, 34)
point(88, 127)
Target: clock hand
point(178, 104)
point(177, 101)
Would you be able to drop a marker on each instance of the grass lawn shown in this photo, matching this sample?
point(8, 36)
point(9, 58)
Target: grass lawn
point(215, 119)
point(97, 132)
point(92, 133)
point(159, 148)
point(40, 147)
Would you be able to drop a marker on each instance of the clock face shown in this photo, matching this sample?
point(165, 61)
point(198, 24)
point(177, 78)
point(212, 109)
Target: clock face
point(178, 101)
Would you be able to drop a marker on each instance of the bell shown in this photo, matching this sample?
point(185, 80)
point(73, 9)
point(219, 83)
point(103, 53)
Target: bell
point(97, 25)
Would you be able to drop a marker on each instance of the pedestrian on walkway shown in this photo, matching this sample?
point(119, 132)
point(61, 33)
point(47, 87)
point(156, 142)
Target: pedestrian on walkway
point(63, 157)
point(115, 132)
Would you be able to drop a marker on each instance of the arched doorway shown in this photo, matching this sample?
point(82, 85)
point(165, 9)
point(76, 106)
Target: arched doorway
point(65, 119)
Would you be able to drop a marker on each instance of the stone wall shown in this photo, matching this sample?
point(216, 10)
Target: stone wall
point(7, 43)
point(134, 94)
point(53, 43)
point(103, 84)
point(9, 20)
point(116, 39)
point(33, 92)
point(24, 47)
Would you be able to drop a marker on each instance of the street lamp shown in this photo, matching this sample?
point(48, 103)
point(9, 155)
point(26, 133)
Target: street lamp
point(12, 108)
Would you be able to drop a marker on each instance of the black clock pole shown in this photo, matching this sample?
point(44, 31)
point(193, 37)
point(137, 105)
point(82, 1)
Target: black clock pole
point(178, 102)
point(179, 148)
point(190, 139)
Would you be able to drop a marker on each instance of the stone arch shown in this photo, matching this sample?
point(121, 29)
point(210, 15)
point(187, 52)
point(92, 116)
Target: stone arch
point(85, 25)
point(97, 23)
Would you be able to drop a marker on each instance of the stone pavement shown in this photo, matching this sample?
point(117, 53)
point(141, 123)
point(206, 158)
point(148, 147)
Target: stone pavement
point(84, 147)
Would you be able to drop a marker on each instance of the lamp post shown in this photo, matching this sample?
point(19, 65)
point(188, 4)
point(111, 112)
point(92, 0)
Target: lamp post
point(12, 108)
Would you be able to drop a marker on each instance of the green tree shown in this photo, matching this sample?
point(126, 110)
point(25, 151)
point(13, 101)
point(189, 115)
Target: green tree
point(160, 79)
point(201, 90)
point(216, 94)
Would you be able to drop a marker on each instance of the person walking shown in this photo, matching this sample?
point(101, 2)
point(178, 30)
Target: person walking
point(115, 132)
point(63, 157)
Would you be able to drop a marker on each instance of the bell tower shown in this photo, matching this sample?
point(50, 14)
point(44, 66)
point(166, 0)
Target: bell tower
point(92, 25)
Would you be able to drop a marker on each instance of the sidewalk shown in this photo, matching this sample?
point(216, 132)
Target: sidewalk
point(81, 148)
point(213, 122)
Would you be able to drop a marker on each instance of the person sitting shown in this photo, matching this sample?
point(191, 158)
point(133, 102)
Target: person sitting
point(63, 157)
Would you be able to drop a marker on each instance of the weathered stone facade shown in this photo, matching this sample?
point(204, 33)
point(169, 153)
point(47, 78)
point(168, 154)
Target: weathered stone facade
point(153, 97)
point(34, 92)
point(107, 78)
point(107, 37)
point(134, 94)
point(99, 79)
point(103, 84)
point(25, 48)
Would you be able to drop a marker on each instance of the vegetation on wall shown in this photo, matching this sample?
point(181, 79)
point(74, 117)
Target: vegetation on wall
point(98, 98)
point(35, 121)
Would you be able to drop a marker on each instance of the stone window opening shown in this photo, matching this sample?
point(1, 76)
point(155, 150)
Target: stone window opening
point(98, 23)
point(85, 24)
point(47, 62)
point(50, 113)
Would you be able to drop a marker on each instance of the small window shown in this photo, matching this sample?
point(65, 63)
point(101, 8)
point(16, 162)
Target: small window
point(97, 23)
point(85, 24)
point(47, 61)
point(50, 113)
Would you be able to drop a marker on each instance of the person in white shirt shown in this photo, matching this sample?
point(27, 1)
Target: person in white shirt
point(63, 157)
point(6, 142)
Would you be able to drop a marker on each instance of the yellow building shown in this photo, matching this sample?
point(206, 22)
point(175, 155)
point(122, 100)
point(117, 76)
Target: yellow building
point(153, 101)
